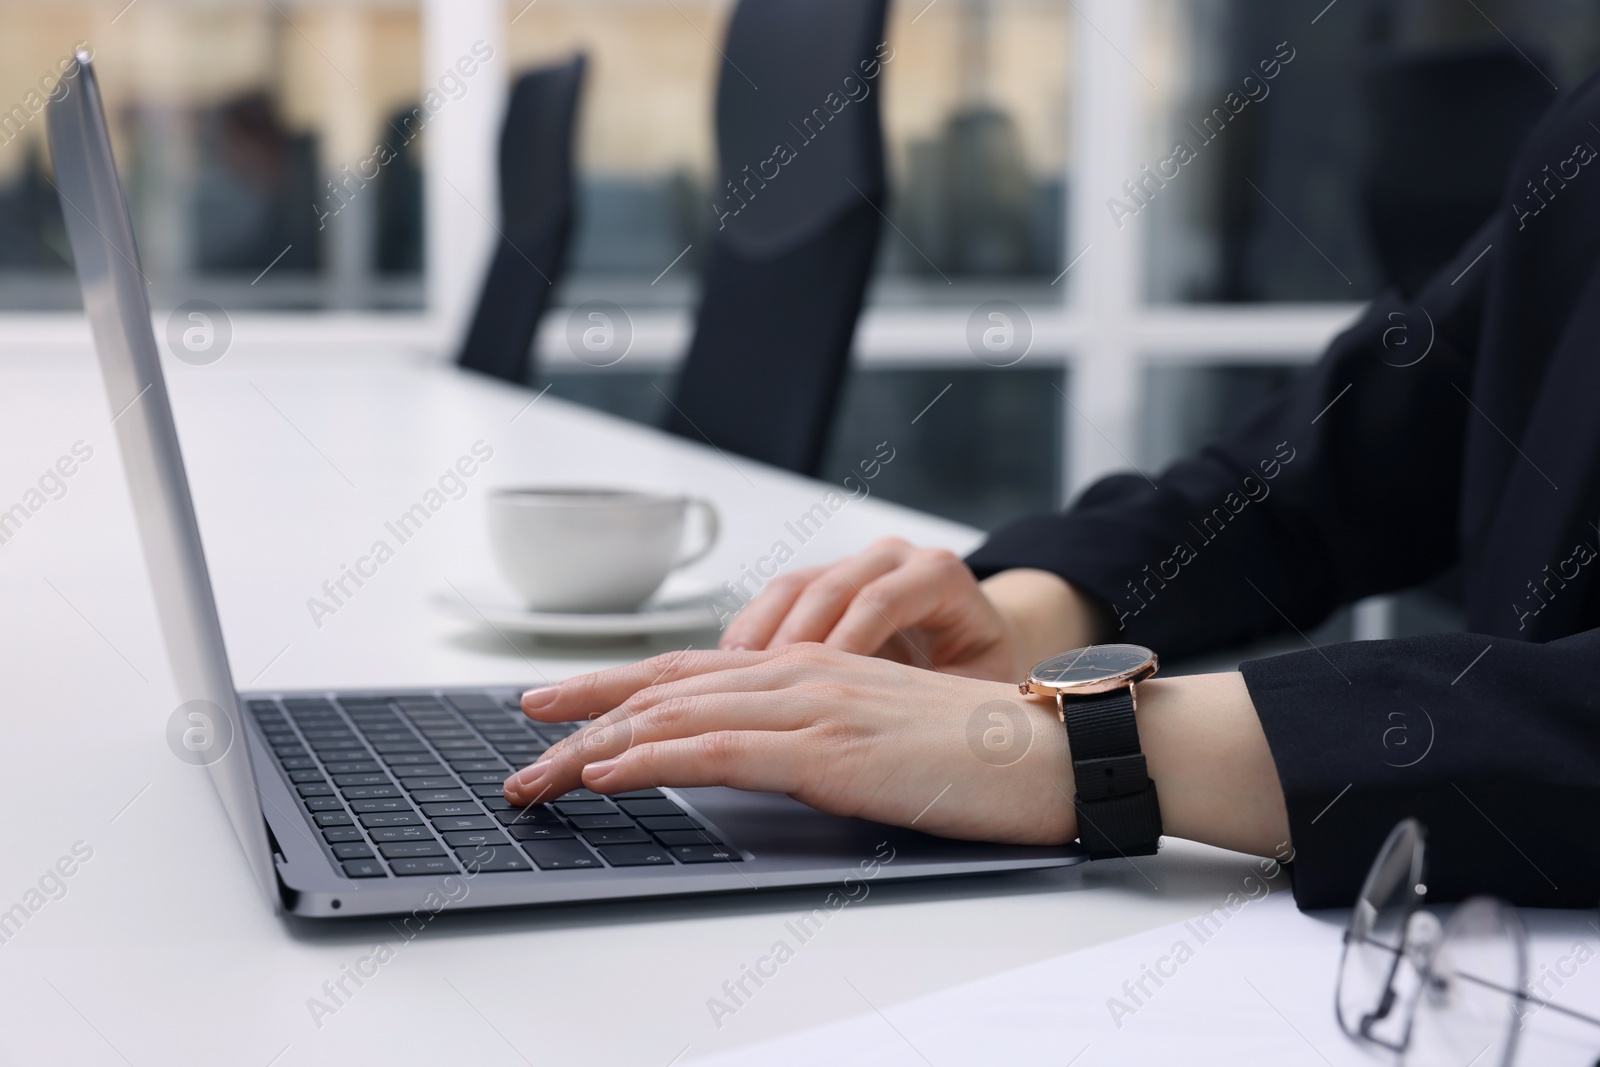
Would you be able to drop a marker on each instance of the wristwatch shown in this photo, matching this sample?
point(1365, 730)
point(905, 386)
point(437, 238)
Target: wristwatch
point(1118, 814)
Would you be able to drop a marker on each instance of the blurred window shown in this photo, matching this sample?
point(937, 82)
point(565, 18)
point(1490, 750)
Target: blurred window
point(975, 119)
point(249, 138)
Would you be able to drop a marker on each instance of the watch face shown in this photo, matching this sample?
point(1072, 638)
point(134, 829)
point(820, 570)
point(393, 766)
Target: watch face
point(1085, 666)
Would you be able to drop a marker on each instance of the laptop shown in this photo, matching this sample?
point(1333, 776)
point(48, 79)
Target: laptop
point(386, 802)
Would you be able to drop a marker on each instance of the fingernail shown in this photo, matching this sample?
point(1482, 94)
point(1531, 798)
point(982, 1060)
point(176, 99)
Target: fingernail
point(542, 697)
point(529, 777)
point(596, 771)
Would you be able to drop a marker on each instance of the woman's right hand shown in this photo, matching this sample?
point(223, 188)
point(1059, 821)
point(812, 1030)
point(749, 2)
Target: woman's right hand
point(921, 606)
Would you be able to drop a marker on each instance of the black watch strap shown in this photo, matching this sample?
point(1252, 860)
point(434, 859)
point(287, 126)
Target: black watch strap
point(1118, 814)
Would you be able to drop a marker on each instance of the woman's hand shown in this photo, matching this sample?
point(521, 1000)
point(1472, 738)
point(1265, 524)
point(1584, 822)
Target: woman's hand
point(849, 735)
point(884, 741)
point(920, 606)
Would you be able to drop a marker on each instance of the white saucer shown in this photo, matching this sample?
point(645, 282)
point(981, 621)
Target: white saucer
point(677, 608)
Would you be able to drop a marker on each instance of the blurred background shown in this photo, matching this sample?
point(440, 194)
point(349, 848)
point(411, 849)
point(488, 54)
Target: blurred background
point(1012, 128)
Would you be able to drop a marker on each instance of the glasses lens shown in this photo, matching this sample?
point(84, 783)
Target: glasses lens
point(1372, 981)
point(1467, 1011)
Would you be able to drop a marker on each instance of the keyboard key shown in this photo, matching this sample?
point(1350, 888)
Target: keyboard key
point(315, 789)
point(424, 865)
point(636, 856)
point(381, 804)
point(471, 702)
point(482, 765)
point(495, 788)
point(528, 816)
point(353, 850)
point(306, 777)
point(439, 782)
point(290, 751)
point(296, 763)
point(444, 796)
point(588, 807)
point(560, 855)
point(389, 818)
point(463, 822)
point(649, 807)
point(629, 836)
point(324, 804)
point(364, 869)
point(399, 850)
point(579, 794)
point(484, 778)
point(402, 759)
point(705, 853)
point(474, 838)
point(539, 832)
point(466, 807)
point(354, 767)
point(386, 749)
point(640, 794)
point(338, 733)
point(486, 859)
point(497, 804)
point(369, 792)
point(343, 780)
point(685, 837)
point(616, 820)
point(341, 834)
point(668, 822)
point(384, 834)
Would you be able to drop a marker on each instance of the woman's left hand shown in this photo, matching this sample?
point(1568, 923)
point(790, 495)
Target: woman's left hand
point(847, 734)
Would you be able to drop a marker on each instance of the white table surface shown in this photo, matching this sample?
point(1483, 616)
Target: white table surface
point(161, 951)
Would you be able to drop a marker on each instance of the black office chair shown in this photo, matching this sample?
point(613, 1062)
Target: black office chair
point(1441, 126)
point(794, 231)
point(536, 217)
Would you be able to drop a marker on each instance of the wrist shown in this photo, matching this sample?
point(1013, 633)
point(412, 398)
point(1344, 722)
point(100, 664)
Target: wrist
point(1045, 614)
point(1209, 758)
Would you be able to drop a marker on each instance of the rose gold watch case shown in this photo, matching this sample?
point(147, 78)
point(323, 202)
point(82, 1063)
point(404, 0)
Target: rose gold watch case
point(1092, 687)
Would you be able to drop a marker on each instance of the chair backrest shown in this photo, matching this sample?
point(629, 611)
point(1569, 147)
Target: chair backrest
point(1441, 127)
point(795, 220)
point(536, 216)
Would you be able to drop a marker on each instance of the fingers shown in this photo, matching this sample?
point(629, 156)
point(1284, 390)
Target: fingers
point(756, 760)
point(909, 596)
point(589, 695)
point(754, 626)
point(826, 597)
point(682, 715)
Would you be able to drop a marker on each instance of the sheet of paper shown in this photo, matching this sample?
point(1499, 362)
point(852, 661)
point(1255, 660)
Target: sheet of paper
point(1251, 983)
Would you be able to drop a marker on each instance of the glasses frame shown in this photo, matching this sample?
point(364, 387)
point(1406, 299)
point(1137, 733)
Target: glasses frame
point(1425, 956)
point(1360, 925)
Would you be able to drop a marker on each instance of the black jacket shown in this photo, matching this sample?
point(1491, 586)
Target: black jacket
point(1461, 427)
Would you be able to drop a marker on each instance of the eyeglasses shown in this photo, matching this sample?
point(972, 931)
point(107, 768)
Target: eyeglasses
point(1429, 992)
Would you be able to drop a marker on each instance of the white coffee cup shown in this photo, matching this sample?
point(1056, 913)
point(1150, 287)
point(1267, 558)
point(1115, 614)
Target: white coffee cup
point(578, 549)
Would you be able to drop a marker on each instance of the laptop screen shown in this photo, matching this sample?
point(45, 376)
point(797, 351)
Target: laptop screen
point(115, 298)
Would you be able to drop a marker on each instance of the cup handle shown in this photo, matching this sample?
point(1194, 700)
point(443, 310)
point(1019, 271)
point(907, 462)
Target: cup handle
point(709, 528)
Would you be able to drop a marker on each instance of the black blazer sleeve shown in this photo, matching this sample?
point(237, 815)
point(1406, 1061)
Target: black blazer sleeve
point(1493, 743)
point(1352, 484)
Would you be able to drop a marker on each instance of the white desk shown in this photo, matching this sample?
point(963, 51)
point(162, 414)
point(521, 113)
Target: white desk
point(161, 950)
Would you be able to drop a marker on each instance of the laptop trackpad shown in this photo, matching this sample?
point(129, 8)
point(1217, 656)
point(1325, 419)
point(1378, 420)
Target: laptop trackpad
point(778, 829)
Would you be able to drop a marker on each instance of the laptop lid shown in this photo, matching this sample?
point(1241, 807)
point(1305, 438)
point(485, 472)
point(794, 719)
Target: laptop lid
point(118, 307)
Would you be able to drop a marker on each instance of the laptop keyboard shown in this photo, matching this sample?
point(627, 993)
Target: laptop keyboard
point(410, 785)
